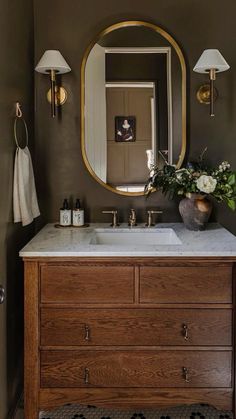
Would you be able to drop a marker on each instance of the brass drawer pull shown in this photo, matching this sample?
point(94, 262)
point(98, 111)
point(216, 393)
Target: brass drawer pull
point(185, 332)
point(87, 333)
point(86, 376)
point(186, 375)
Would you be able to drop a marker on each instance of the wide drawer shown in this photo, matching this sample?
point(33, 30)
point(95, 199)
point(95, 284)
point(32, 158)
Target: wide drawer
point(136, 369)
point(61, 327)
point(208, 284)
point(87, 284)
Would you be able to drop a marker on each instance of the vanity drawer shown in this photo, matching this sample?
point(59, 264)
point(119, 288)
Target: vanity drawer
point(138, 327)
point(87, 284)
point(135, 369)
point(208, 284)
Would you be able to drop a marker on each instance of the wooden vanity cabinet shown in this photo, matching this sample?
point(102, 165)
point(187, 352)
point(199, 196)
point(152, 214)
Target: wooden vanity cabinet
point(129, 332)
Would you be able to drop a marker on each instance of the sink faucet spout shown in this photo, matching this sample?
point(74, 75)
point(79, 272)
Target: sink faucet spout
point(132, 218)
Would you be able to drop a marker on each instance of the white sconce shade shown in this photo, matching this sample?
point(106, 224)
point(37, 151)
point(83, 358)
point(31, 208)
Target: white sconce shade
point(52, 60)
point(211, 59)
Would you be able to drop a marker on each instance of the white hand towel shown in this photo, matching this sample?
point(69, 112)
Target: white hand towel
point(25, 204)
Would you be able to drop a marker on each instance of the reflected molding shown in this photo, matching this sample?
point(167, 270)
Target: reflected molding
point(171, 40)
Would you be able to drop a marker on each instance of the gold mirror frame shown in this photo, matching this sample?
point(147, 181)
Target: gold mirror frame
point(178, 51)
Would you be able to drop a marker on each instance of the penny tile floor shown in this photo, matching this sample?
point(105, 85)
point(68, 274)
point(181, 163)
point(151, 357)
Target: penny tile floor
point(201, 411)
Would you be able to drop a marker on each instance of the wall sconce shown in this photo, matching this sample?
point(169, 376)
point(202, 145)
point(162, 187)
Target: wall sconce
point(52, 63)
point(211, 62)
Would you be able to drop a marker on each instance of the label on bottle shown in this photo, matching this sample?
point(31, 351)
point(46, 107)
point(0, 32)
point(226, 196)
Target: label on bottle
point(78, 217)
point(65, 217)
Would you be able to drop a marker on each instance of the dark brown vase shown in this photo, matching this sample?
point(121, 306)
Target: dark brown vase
point(195, 211)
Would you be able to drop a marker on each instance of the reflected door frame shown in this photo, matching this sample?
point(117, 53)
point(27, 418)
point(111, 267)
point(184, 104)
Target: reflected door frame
point(154, 50)
point(154, 140)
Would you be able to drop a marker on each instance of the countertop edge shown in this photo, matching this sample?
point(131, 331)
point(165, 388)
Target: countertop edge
point(214, 242)
point(106, 254)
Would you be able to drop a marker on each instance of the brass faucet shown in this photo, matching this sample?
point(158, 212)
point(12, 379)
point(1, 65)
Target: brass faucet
point(132, 218)
point(114, 219)
point(149, 219)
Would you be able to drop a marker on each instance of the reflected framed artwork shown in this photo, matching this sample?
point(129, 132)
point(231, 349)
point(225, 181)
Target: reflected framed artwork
point(125, 128)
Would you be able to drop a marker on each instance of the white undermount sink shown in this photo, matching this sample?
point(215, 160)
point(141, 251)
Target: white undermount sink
point(135, 237)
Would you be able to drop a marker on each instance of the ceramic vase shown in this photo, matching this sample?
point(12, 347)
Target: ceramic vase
point(195, 210)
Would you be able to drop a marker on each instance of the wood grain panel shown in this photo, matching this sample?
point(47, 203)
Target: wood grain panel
point(136, 327)
point(186, 284)
point(136, 369)
point(87, 284)
point(234, 337)
point(128, 398)
point(31, 341)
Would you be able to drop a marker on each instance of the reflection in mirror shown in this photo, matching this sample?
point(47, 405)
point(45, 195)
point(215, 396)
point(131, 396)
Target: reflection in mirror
point(131, 141)
point(133, 115)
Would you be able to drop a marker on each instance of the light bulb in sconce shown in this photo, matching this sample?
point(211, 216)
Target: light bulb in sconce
point(210, 62)
point(53, 63)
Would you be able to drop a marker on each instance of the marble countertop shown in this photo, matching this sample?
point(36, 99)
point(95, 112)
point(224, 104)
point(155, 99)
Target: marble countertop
point(215, 241)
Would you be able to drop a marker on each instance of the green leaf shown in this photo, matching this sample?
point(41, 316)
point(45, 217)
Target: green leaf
point(231, 204)
point(232, 179)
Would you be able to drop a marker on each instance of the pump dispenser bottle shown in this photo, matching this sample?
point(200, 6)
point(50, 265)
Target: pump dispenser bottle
point(65, 214)
point(78, 214)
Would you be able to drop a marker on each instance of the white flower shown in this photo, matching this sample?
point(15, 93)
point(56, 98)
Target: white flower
point(224, 166)
point(206, 184)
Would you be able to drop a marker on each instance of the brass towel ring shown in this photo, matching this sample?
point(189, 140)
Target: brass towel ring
point(19, 117)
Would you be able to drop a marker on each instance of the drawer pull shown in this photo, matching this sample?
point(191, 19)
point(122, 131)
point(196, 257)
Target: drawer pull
point(185, 332)
point(86, 376)
point(87, 333)
point(186, 375)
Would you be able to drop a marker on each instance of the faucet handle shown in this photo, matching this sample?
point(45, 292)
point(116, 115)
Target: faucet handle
point(149, 220)
point(115, 217)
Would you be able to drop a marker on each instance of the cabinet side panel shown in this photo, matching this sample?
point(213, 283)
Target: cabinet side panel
point(31, 378)
point(234, 339)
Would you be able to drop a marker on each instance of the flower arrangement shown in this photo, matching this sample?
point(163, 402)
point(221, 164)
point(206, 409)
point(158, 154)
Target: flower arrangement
point(195, 178)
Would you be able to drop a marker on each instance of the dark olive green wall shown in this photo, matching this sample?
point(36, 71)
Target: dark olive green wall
point(16, 84)
point(70, 27)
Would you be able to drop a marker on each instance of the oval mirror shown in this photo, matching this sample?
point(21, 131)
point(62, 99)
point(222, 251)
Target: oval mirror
point(133, 107)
